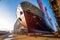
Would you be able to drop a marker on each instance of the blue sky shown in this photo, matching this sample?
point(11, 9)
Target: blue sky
point(8, 12)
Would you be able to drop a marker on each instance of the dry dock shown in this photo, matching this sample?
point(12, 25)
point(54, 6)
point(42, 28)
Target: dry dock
point(31, 37)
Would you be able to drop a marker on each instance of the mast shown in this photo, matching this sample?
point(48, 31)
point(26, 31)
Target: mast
point(40, 5)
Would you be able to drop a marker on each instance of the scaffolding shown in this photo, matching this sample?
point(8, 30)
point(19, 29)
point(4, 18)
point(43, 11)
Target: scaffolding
point(55, 5)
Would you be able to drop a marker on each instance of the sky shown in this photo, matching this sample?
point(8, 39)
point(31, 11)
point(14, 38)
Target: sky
point(8, 12)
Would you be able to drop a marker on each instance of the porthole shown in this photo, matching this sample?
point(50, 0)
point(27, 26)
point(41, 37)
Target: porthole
point(28, 10)
point(21, 12)
point(20, 19)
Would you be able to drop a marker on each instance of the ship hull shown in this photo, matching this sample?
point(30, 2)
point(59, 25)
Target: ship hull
point(33, 19)
point(35, 22)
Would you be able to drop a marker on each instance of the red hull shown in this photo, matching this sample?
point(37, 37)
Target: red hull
point(35, 22)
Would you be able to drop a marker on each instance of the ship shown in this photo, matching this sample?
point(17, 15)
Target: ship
point(34, 19)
